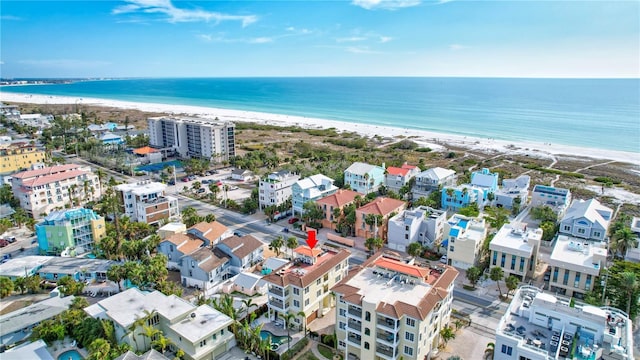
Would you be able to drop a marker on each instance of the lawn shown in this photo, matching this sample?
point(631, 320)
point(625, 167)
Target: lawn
point(326, 351)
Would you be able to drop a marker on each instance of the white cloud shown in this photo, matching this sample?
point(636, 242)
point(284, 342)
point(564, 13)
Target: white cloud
point(360, 50)
point(10, 17)
point(205, 37)
point(222, 39)
point(65, 63)
point(175, 15)
point(351, 39)
point(456, 47)
point(384, 39)
point(385, 4)
point(260, 40)
point(301, 31)
point(1, 62)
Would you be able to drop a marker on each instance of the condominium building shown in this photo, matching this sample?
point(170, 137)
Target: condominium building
point(54, 188)
point(304, 284)
point(541, 326)
point(433, 179)
point(311, 188)
point(146, 202)
point(556, 198)
point(397, 177)
point(388, 309)
point(70, 232)
point(381, 208)
point(364, 178)
point(464, 237)
point(275, 189)
point(423, 224)
point(586, 220)
point(194, 137)
point(200, 331)
point(575, 265)
point(19, 156)
point(515, 248)
point(330, 203)
point(514, 193)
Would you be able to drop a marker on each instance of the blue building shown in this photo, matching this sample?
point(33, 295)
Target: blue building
point(482, 184)
point(364, 178)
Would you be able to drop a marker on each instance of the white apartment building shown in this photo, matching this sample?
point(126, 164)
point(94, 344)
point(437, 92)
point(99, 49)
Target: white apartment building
point(464, 237)
point(54, 188)
point(310, 188)
point(146, 202)
point(515, 248)
point(388, 309)
point(540, 326)
point(575, 264)
point(275, 189)
point(433, 179)
point(423, 224)
point(200, 331)
point(194, 137)
point(556, 198)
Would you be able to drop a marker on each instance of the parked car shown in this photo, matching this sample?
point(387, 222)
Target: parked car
point(185, 179)
point(3, 243)
point(171, 182)
point(200, 191)
point(234, 188)
point(206, 181)
point(443, 259)
point(11, 239)
point(293, 220)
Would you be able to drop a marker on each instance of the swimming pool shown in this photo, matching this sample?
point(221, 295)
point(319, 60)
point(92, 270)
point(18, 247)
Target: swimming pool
point(279, 340)
point(70, 355)
point(159, 166)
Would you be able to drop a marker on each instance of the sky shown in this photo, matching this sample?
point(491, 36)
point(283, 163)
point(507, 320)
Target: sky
point(169, 38)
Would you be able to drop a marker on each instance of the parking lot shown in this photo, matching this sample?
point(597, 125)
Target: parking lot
point(238, 190)
point(25, 243)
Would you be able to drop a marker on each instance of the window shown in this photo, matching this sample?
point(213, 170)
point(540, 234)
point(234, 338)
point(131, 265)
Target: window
point(342, 325)
point(296, 303)
point(513, 262)
point(587, 284)
point(296, 291)
point(306, 302)
point(318, 282)
point(408, 350)
point(565, 279)
point(214, 337)
point(203, 342)
point(503, 258)
point(338, 278)
point(409, 336)
point(495, 258)
point(581, 231)
point(411, 322)
point(367, 316)
point(566, 228)
point(506, 349)
point(306, 290)
point(367, 331)
point(521, 264)
point(451, 248)
point(319, 293)
point(366, 345)
point(576, 282)
point(597, 234)
point(343, 312)
point(555, 274)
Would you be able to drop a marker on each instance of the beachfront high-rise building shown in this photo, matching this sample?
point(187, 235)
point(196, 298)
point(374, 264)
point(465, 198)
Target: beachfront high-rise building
point(54, 188)
point(275, 189)
point(194, 137)
point(146, 202)
point(70, 233)
point(388, 309)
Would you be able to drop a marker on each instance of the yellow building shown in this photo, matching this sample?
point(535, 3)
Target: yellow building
point(19, 156)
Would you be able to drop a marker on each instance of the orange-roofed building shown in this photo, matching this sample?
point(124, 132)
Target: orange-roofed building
point(149, 154)
point(176, 246)
point(145, 150)
point(387, 309)
point(337, 200)
point(384, 208)
point(397, 177)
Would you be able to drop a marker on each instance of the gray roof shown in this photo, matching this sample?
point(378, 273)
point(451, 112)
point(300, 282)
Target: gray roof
point(18, 267)
point(200, 323)
point(247, 280)
point(242, 246)
point(436, 173)
point(149, 355)
point(68, 265)
point(360, 168)
point(274, 263)
point(34, 314)
point(314, 181)
point(32, 350)
point(592, 210)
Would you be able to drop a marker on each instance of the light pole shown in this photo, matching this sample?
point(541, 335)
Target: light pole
point(604, 284)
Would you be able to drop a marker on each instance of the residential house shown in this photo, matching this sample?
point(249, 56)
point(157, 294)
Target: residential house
point(242, 174)
point(514, 249)
point(243, 252)
point(54, 188)
point(38, 121)
point(397, 177)
point(176, 246)
point(148, 155)
point(79, 269)
point(204, 268)
point(364, 178)
point(194, 137)
point(210, 232)
point(514, 192)
point(311, 188)
point(540, 326)
point(575, 264)
point(586, 220)
point(111, 139)
point(145, 201)
point(633, 253)
point(389, 309)
point(381, 207)
point(556, 198)
point(423, 225)
point(149, 355)
point(17, 325)
point(171, 228)
point(433, 179)
point(200, 331)
point(303, 285)
point(23, 266)
point(19, 156)
point(276, 188)
point(482, 183)
point(70, 232)
point(247, 283)
point(31, 350)
point(330, 203)
point(463, 239)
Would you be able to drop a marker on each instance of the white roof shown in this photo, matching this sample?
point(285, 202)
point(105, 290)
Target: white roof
point(516, 241)
point(274, 263)
point(110, 136)
point(17, 267)
point(33, 314)
point(592, 210)
point(142, 188)
point(360, 168)
point(247, 280)
point(174, 227)
point(437, 173)
point(571, 253)
point(314, 181)
point(482, 179)
point(31, 350)
point(200, 323)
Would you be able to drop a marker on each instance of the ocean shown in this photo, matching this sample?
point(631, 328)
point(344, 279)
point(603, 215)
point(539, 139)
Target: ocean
point(594, 113)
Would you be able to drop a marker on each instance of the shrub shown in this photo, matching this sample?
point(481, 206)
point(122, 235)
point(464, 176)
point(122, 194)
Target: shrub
point(295, 349)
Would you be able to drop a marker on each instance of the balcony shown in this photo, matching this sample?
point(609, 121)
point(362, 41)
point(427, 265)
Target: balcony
point(388, 324)
point(355, 339)
point(387, 337)
point(355, 325)
point(357, 312)
point(386, 351)
point(278, 292)
point(276, 303)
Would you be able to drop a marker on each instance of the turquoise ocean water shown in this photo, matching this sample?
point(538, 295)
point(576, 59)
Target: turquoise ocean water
point(595, 113)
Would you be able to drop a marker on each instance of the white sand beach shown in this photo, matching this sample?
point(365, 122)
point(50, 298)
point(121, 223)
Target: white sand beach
point(425, 138)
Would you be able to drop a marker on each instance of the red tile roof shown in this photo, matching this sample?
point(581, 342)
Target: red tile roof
point(410, 167)
point(306, 251)
point(47, 179)
point(211, 231)
point(401, 267)
point(45, 171)
point(325, 263)
point(391, 170)
point(381, 206)
point(145, 150)
point(339, 199)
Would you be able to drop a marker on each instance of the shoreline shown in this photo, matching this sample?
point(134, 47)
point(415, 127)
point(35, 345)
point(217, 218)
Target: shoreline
point(424, 138)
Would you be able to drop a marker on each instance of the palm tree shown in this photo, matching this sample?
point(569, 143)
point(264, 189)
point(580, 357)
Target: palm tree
point(99, 349)
point(292, 243)
point(497, 216)
point(148, 331)
point(496, 274)
point(447, 334)
point(629, 282)
point(87, 189)
point(304, 320)
point(276, 245)
point(624, 239)
point(414, 249)
point(489, 351)
point(138, 322)
point(374, 244)
point(162, 343)
point(248, 303)
point(101, 176)
point(215, 189)
point(288, 318)
point(512, 284)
